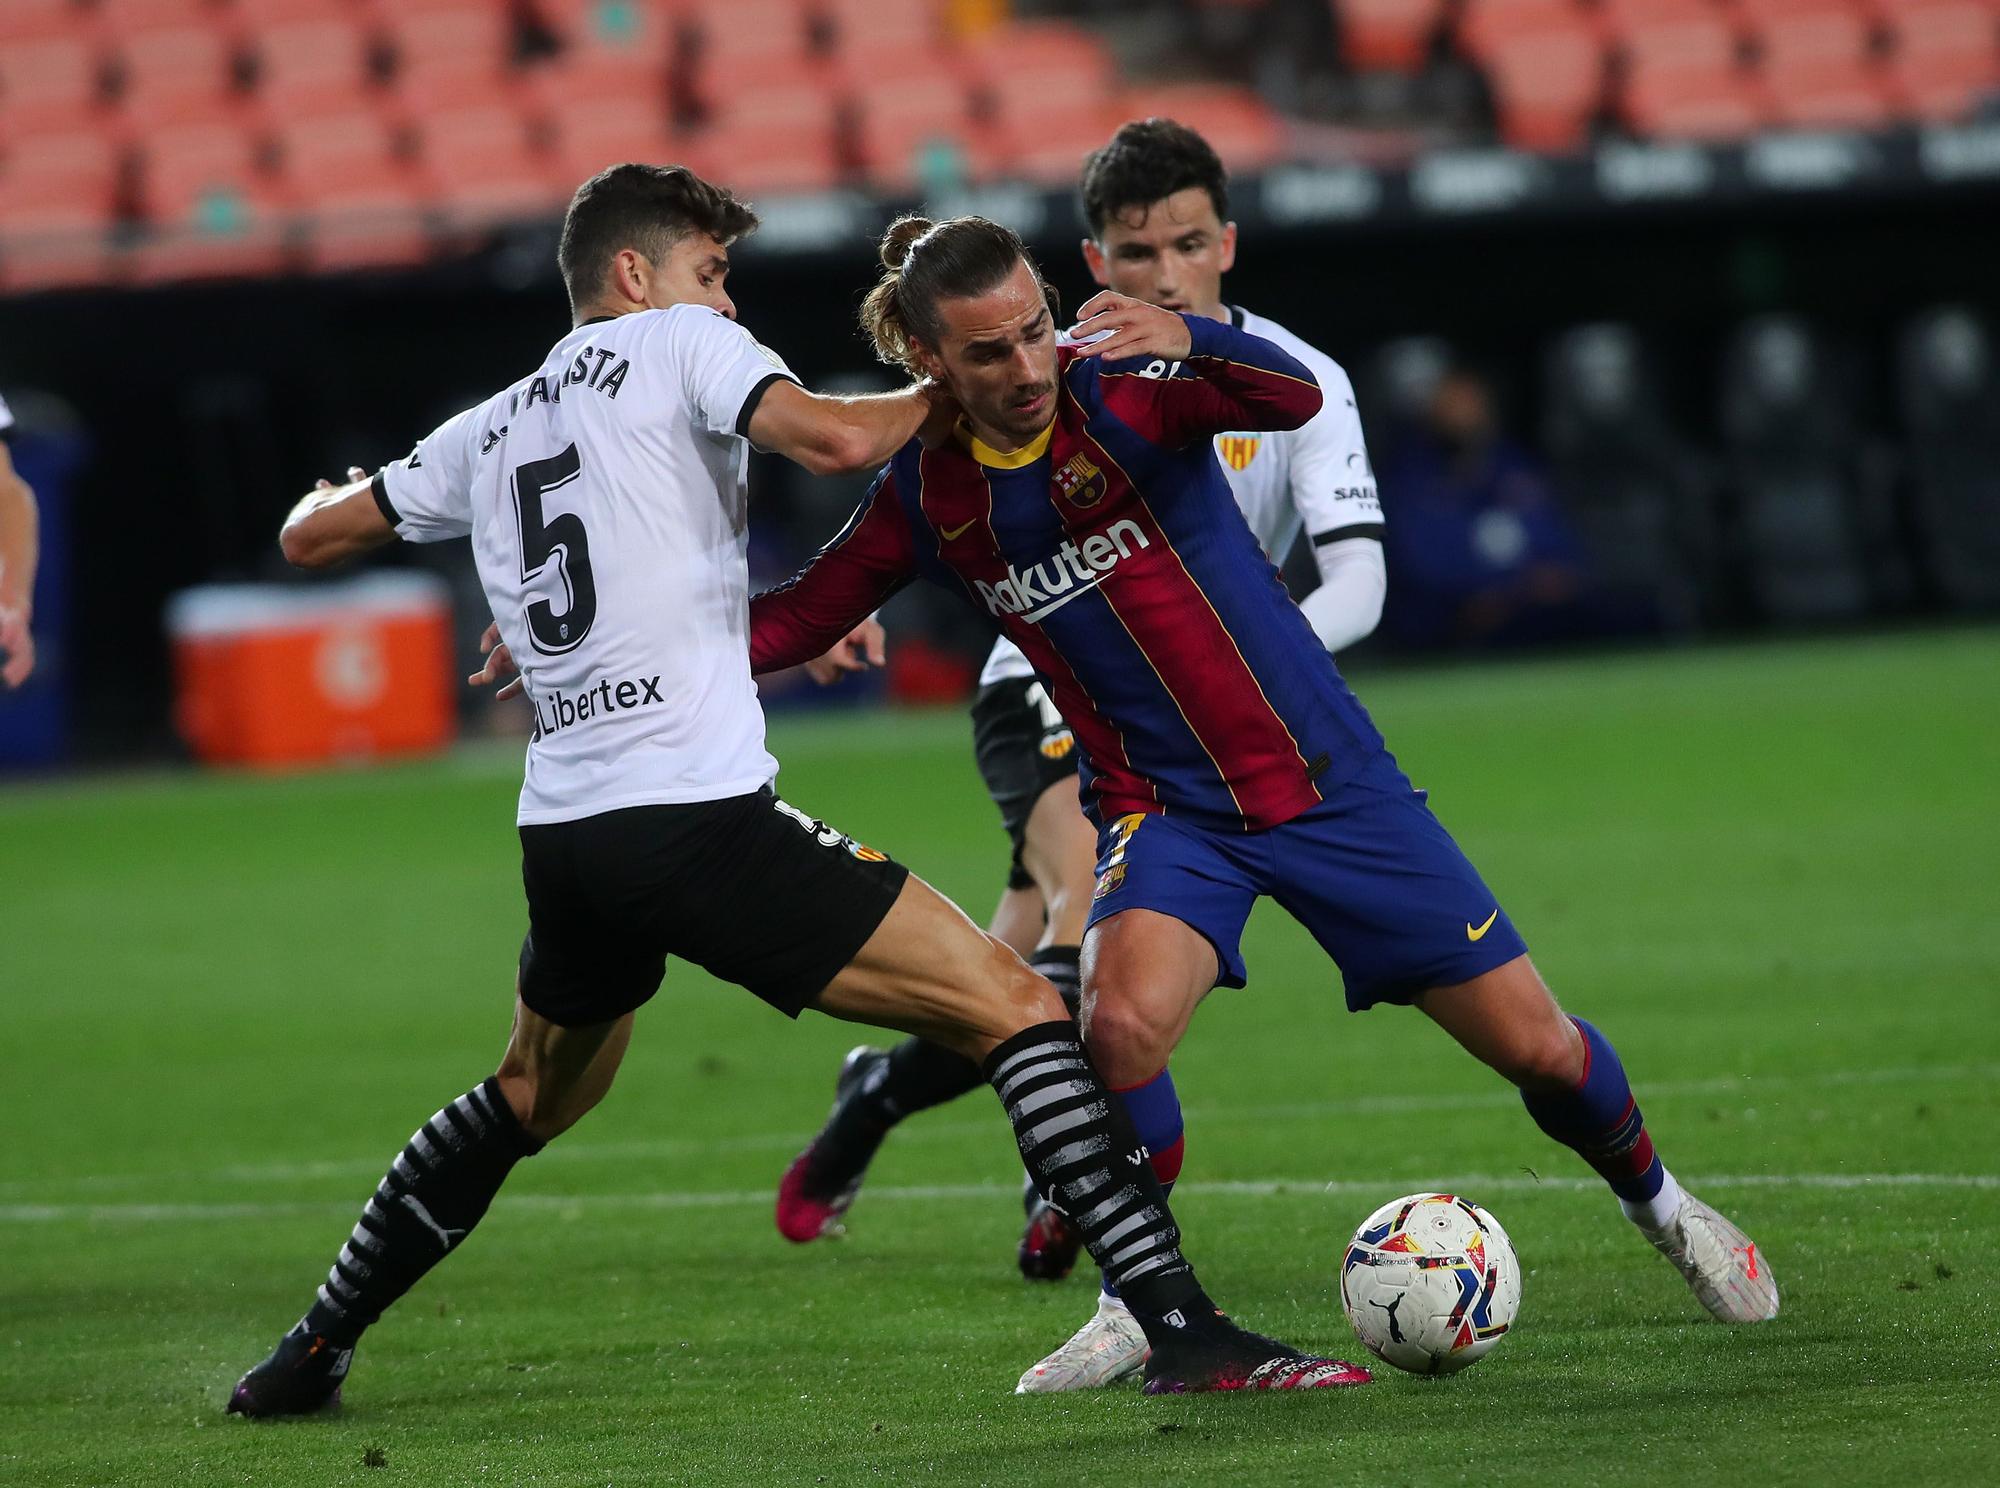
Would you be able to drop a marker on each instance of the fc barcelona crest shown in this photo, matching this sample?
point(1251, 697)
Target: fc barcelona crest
point(1237, 450)
point(1080, 482)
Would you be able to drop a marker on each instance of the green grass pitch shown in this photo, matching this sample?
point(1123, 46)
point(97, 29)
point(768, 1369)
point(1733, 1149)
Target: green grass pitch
point(1769, 873)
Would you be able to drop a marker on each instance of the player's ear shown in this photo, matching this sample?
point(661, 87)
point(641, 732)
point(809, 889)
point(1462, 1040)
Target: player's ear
point(1228, 258)
point(631, 275)
point(1093, 257)
point(929, 363)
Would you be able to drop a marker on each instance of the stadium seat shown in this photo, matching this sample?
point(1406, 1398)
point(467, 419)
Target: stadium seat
point(862, 28)
point(590, 136)
point(1944, 55)
point(1387, 35)
point(258, 15)
point(120, 18)
point(487, 168)
point(1052, 153)
point(1950, 395)
point(1547, 86)
point(36, 20)
point(59, 197)
point(775, 145)
point(52, 84)
point(212, 208)
point(337, 152)
point(1811, 534)
point(735, 84)
point(1244, 130)
point(1684, 74)
point(185, 75)
point(464, 38)
point(1486, 24)
point(731, 31)
point(1634, 489)
point(309, 54)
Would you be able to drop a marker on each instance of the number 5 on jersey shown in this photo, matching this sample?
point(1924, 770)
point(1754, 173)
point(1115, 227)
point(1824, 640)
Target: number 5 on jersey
point(561, 541)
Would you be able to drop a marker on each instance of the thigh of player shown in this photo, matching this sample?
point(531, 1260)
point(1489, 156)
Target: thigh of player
point(1388, 894)
point(1166, 926)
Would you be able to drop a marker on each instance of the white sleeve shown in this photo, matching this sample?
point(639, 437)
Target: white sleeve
point(6, 416)
point(1353, 582)
point(427, 495)
point(1333, 485)
point(723, 368)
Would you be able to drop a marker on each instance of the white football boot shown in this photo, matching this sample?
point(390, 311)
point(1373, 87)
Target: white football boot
point(1721, 1263)
point(1110, 1347)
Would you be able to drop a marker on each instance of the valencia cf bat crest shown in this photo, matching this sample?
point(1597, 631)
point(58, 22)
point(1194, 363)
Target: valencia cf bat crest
point(1237, 450)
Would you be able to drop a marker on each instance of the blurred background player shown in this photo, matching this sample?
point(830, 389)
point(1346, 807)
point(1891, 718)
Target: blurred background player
point(1157, 203)
point(648, 822)
point(1224, 758)
point(18, 545)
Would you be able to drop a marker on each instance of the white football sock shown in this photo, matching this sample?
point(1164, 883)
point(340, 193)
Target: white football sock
point(1657, 1212)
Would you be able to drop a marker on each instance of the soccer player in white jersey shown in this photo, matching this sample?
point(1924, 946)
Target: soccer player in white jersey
point(19, 545)
point(605, 498)
point(1156, 199)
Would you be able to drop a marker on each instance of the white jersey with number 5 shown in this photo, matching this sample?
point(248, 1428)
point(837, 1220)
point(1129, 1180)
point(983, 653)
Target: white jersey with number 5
point(606, 502)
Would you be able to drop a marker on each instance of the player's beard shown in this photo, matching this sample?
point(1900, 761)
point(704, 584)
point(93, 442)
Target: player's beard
point(1019, 417)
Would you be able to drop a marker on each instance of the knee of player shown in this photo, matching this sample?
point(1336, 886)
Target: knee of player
point(1029, 996)
point(1546, 1057)
point(1128, 1044)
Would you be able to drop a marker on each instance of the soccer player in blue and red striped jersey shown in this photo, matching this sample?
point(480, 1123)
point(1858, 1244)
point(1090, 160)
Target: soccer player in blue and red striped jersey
point(1222, 757)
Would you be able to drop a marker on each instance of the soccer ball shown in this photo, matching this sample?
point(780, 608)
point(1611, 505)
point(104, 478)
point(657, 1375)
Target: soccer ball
point(1430, 1282)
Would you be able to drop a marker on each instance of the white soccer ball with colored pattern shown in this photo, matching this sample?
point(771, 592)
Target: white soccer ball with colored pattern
point(1430, 1283)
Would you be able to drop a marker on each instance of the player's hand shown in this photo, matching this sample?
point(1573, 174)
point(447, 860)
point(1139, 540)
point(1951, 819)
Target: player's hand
point(1136, 328)
point(943, 416)
point(499, 663)
point(18, 645)
point(354, 473)
point(861, 648)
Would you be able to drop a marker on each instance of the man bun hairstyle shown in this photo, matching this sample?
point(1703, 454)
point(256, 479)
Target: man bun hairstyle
point(924, 262)
point(1146, 161)
point(645, 207)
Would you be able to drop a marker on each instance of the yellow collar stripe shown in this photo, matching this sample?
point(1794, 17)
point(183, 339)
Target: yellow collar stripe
point(1027, 454)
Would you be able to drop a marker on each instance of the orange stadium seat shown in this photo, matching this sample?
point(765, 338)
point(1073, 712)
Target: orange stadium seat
point(732, 29)
point(1547, 86)
point(724, 83)
point(1688, 105)
point(337, 152)
point(465, 38)
point(1245, 131)
point(590, 136)
point(1817, 64)
point(119, 18)
point(259, 15)
point(1052, 153)
point(310, 54)
point(36, 20)
point(753, 158)
point(862, 27)
point(1944, 55)
point(49, 85)
point(487, 168)
point(1393, 35)
point(1486, 24)
point(445, 87)
point(213, 209)
point(182, 75)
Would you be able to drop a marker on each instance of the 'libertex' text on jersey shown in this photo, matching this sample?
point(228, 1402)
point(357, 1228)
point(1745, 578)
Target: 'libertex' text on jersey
point(1111, 551)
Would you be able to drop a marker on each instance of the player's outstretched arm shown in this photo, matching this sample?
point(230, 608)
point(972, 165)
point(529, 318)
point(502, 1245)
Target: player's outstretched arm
point(838, 435)
point(20, 540)
point(333, 523)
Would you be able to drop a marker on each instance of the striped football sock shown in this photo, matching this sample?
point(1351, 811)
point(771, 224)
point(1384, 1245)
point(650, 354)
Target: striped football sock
point(1081, 1150)
point(427, 1203)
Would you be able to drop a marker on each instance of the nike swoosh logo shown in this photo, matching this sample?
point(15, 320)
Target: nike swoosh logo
point(1472, 934)
point(953, 534)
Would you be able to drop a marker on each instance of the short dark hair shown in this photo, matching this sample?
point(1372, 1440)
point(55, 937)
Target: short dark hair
point(924, 262)
point(647, 207)
point(1146, 161)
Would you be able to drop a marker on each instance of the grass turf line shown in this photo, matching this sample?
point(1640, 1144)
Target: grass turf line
point(1767, 872)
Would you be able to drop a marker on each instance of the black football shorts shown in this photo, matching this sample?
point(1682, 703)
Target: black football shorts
point(1022, 747)
point(748, 889)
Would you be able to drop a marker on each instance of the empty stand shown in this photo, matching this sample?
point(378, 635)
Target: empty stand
point(1395, 35)
point(1950, 396)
